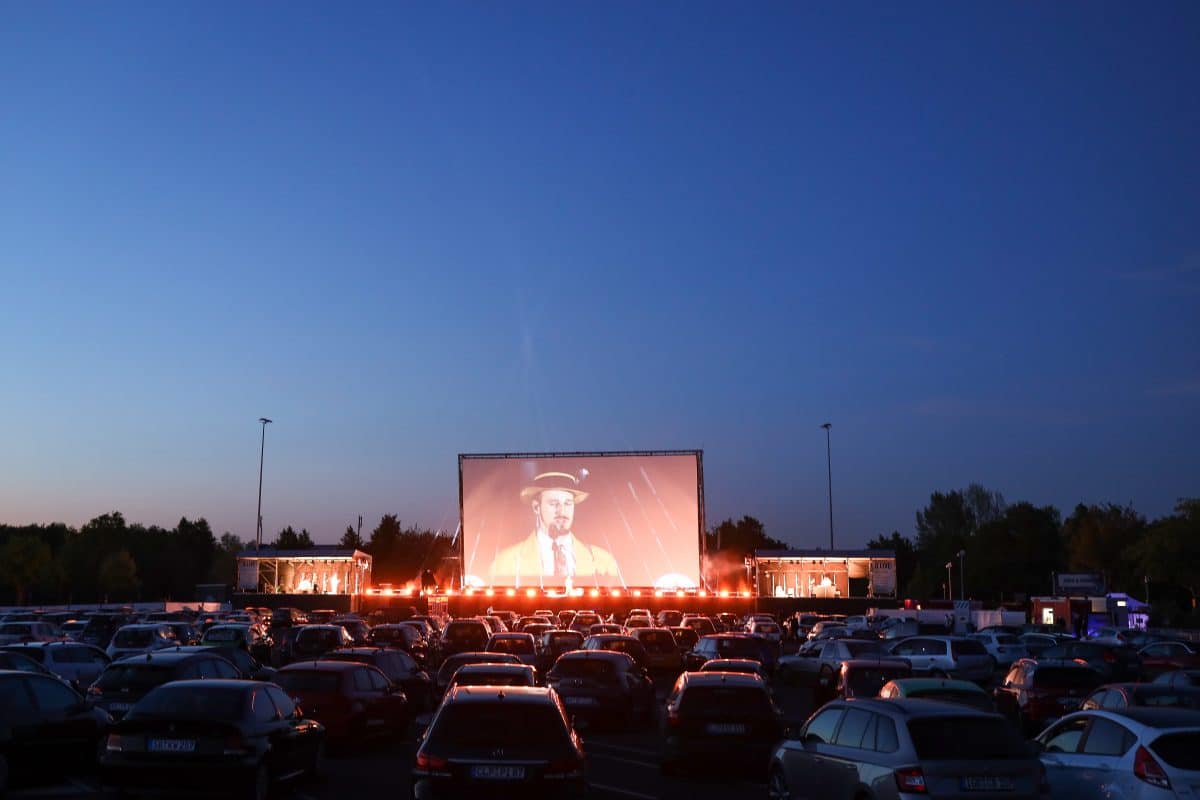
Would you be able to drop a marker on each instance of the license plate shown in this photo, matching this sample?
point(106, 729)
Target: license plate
point(987, 783)
point(171, 745)
point(488, 772)
point(580, 701)
point(725, 728)
point(120, 706)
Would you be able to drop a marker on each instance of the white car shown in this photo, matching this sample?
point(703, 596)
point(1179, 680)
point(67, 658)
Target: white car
point(858, 622)
point(1137, 754)
point(138, 639)
point(75, 662)
point(1003, 647)
point(765, 630)
point(17, 632)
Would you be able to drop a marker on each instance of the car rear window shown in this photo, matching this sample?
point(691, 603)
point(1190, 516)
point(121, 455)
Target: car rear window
point(717, 701)
point(867, 682)
point(967, 647)
point(658, 641)
point(503, 678)
point(74, 655)
point(499, 724)
point(583, 668)
point(223, 635)
point(965, 738)
point(861, 649)
point(137, 677)
point(309, 681)
point(1064, 678)
point(508, 645)
point(1179, 750)
point(134, 638)
point(459, 631)
point(573, 640)
point(979, 700)
point(190, 702)
point(739, 648)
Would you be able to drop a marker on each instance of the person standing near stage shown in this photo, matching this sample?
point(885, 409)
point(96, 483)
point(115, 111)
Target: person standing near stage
point(552, 554)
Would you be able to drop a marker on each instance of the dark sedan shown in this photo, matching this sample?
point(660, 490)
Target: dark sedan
point(46, 728)
point(241, 736)
point(123, 683)
point(1119, 696)
point(603, 685)
point(399, 667)
point(722, 718)
point(1114, 662)
point(351, 699)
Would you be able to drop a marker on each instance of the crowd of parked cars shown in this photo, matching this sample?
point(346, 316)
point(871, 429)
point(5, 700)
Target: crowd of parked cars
point(497, 702)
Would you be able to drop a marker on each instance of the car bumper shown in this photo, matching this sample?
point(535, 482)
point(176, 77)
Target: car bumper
point(447, 789)
point(218, 775)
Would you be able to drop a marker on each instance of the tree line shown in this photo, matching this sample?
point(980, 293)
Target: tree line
point(1010, 552)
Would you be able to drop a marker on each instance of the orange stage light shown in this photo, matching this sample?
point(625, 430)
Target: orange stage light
point(387, 591)
point(703, 593)
point(510, 592)
point(578, 592)
point(615, 593)
point(724, 593)
point(679, 592)
point(531, 592)
point(594, 593)
point(489, 592)
point(658, 592)
point(637, 592)
point(745, 593)
point(450, 593)
point(469, 591)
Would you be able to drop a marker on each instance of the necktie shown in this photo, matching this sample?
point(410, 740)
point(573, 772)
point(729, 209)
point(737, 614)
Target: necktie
point(560, 560)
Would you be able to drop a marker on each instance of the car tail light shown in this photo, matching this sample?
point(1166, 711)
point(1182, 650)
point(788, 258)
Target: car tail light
point(114, 744)
point(235, 745)
point(429, 764)
point(94, 691)
point(1146, 768)
point(673, 719)
point(564, 768)
point(911, 780)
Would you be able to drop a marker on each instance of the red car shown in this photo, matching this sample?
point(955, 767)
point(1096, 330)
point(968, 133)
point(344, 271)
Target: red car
point(351, 699)
point(1037, 693)
point(1163, 657)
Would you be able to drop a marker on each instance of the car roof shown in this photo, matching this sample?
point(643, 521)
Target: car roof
point(494, 667)
point(925, 684)
point(512, 635)
point(612, 637)
point(321, 665)
point(218, 683)
point(718, 678)
point(162, 658)
point(491, 694)
point(730, 635)
point(609, 655)
point(914, 707)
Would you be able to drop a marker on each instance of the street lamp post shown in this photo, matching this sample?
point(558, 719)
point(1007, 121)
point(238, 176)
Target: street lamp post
point(949, 580)
point(962, 575)
point(262, 450)
point(829, 471)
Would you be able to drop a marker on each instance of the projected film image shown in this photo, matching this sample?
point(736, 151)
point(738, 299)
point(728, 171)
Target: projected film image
point(581, 521)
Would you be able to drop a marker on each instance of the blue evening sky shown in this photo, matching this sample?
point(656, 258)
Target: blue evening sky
point(967, 234)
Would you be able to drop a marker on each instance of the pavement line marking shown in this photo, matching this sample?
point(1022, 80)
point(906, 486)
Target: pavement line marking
point(626, 792)
point(607, 757)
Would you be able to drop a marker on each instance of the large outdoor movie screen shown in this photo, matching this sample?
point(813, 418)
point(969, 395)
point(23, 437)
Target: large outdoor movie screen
point(566, 521)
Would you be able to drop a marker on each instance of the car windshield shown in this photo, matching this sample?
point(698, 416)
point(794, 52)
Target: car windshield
point(977, 700)
point(739, 648)
point(309, 681)
point(658, 642)
point(466, 632)
point(133, 638)
point(317, 639)
point(136, 677)
point(511, 645)
point(965, 738)
point(572, 641)
point(506, 678)
point(1065, 678)
point(717, 701)
point(191, 702)
point(499, 724)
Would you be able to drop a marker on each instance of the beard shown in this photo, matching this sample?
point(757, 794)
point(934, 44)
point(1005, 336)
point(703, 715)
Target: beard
point(559, 527)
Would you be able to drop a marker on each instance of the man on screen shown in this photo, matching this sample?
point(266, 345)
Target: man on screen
point(552, 553)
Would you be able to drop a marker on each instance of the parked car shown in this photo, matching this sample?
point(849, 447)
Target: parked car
point(77, 663)
point(1036, 693)
point(553, 643)
point(1114, 661)
point(946, 657)
point(403, 637)
point(767, 630)
point(740, 665)
point(399, 667)
point(17, 632)
point(1161, 657)
point(824, 661)
point(731, 645)
point(139, 639)
point(619, 643)
point(1004, 648)
point(493, 675)
point(451, 665)
point(850, 749)
point(685, 639)
point(22, 663)
point(1119, 696)
point(248, 667)
point(726, 719)
point(942, 690)
point(1038, 643)
point(236, 737)
point(1180, 678)
point(125, 682)
point(1138, 753)
point(603, 685)
point(464, 636)
point(100, 628)
point(358, 630)
point(351, 699)
point(46, 729)
point(520, 645)
point(662, 654)
point(863, 677)
point(500, 742)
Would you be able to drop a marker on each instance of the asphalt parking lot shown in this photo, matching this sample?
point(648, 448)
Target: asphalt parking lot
point(620, 765)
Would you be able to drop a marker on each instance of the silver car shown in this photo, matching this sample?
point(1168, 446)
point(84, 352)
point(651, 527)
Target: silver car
point(904, 750)
point(945, 657)
point(1137, 754)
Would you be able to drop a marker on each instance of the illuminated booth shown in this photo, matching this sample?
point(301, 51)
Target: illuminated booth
point(323, 569)
point(824, 574)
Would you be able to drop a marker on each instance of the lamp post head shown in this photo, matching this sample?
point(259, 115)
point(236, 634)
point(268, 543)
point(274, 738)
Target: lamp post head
point(949, 565)
point(827, 425)
point(962, 553)
point(264, 420)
